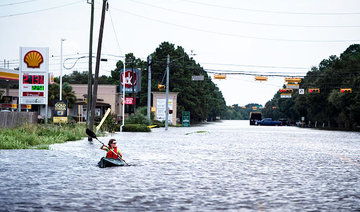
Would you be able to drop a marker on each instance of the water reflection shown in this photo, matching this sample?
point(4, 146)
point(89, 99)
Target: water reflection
point(233, 166)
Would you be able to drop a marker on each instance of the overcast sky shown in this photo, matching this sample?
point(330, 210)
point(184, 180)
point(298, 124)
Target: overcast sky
point(265, 36)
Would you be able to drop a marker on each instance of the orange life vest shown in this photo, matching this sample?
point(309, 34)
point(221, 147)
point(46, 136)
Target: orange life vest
point(110, 154)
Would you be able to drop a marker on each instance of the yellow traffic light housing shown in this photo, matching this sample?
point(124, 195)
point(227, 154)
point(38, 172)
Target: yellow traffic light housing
point(293, 79)
point(219, 76)
point(314, 90)
point(161, 87)
point(261, 78)
point(345, 90)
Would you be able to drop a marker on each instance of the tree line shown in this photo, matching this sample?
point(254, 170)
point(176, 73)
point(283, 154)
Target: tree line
point(203, 99)
point(330, 108)
point(236, 112)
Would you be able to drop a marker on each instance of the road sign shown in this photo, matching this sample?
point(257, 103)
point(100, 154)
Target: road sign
point(285, 95)
point(186, 118)
point(197, 78)
point(301, 91)
point(292, 86)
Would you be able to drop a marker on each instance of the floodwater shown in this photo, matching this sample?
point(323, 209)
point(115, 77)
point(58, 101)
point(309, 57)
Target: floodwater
point(227, 166)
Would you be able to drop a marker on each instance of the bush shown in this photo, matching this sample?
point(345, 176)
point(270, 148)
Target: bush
point(136, 128)
point(158, 123)
point(137, 119)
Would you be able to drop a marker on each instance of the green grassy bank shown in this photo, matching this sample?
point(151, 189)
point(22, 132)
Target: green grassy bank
point(40, 136)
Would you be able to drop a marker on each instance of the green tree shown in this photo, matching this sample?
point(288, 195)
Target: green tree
point(67, 94)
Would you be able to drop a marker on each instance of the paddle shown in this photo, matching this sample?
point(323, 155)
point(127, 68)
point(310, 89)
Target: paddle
point(93, 135)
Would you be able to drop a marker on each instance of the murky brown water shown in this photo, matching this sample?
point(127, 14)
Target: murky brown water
point(232, 167)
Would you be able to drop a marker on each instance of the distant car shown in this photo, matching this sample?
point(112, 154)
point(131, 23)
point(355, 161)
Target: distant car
point(268, 122)
point(284, 122)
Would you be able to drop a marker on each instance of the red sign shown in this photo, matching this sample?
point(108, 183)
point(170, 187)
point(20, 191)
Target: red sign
point(129, 79)
point(33, 93)
point(129, 101)
point(33, 79)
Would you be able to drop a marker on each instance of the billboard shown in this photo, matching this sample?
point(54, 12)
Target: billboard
point(130, 79)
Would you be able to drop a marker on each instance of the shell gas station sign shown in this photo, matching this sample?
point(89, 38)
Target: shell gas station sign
point(33, 75)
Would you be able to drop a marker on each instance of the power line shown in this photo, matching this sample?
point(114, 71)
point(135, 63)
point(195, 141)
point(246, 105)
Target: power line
point(271, 12)
point(256, 66)
point(112, 24)
point(10, 4)
point(40, 10)
point(269, 74)
point(235, 35)
point(244, 22)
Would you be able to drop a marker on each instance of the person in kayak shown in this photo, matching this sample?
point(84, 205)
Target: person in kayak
point(113, 147)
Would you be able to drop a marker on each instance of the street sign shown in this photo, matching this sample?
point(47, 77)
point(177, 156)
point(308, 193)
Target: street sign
point(285, 95)
point(292, 86)
point(301, 91)
point(197, 78)
point(186, 118)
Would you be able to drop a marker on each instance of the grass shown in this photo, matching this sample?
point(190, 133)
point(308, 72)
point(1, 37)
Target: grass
point(40, 136)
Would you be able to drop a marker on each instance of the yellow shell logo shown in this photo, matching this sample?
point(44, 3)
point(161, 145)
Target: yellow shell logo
point(33, 59)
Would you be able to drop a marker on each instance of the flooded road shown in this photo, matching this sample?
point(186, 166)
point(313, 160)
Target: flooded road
point(218, 166)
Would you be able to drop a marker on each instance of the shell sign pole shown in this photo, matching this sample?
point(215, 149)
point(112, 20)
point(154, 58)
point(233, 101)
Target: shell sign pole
point(34, 76)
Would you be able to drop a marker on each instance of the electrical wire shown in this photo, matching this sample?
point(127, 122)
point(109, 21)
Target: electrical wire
point(40, 10)
point(269, 74)
point(15, 3)
point(270, 12)
point(244, 22)
point(116, 37)
point(255, 66)
point(234, 35)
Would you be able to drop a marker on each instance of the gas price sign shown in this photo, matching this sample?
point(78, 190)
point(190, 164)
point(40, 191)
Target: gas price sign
point(33, 76)
point(35, 79)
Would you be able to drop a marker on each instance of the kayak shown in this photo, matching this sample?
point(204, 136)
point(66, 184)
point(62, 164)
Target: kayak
point(108, 162)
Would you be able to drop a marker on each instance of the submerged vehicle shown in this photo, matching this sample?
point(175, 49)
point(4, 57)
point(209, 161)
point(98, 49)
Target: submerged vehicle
point(268, 122)
point(108, 162)
point(254, 117)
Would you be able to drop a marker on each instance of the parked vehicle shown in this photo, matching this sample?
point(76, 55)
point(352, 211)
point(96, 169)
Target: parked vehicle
point(284, 122)
point(254, 117)
point(268, 122)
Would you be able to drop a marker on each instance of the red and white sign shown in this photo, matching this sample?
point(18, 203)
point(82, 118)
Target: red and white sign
point(33, 93)
point(129, 101)
point(128, 79)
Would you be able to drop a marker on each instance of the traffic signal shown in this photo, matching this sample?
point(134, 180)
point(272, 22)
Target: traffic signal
point(161, 87)
point(345, 90)
point(219, 76)
point(261, 78)
point(286, 90)
point(293, 79)
point(170, 111)
point(314, 90)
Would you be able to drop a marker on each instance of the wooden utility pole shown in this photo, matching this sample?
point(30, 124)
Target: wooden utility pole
point(97, 67)
point(89, 93)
